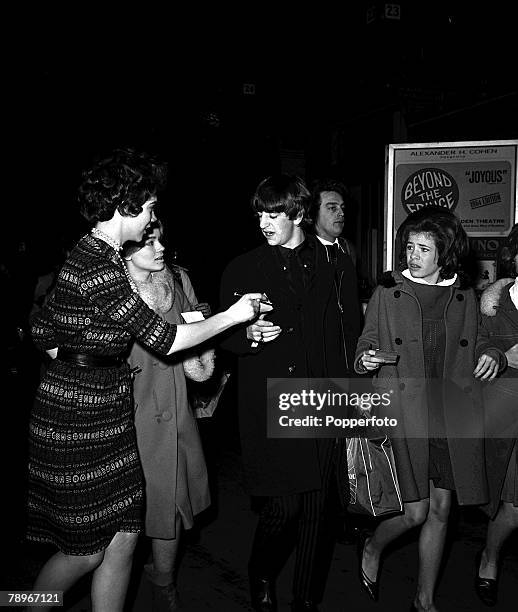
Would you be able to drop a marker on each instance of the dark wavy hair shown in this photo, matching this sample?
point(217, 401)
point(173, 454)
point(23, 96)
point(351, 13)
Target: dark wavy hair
point(123, 180)
point(325, 184)
point(508, 253)
point(130, 246)
point(448, 235)
point(281, 193)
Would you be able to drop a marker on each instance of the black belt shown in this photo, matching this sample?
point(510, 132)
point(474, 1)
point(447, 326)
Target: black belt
point(86, 360)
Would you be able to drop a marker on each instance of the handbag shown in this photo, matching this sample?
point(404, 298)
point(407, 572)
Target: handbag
point(373, 484)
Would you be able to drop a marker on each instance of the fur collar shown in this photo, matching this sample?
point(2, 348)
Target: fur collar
point(490, 299)
point(158, 292)
point(390, 279)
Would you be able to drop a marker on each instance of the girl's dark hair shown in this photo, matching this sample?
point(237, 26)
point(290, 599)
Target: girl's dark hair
point(281, 193)
point(130, 246)
point(124, 180)
point(448, 235)
point(508, 253)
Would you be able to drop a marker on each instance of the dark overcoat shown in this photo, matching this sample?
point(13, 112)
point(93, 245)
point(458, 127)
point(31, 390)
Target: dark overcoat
point(500, 319)
point(285, 466)
point(393, 321)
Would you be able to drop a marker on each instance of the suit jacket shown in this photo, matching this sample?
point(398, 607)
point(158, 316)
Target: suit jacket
point(286, 466)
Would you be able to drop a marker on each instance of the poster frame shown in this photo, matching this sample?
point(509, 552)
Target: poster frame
point(390, 165)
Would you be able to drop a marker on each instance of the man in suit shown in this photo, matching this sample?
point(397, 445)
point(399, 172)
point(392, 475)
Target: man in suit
point(328, 205)
point(327, 211)
point(311, 332)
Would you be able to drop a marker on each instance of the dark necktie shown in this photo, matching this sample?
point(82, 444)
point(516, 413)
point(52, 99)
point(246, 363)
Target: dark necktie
point(332, 252)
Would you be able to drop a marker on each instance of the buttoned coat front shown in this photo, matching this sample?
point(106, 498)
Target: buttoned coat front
point(168, 439)
point(285, 466)
point(393, 321)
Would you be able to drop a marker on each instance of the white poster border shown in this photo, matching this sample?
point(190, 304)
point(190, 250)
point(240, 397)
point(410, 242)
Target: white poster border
point(390, 230)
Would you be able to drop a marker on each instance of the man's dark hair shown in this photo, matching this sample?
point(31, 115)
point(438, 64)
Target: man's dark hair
point(281, 193)
point(325, 184)
point(447, 233)
point(123, 180)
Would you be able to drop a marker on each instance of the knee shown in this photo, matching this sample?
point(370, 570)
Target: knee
point(440, 510)
point(510, 515)
point(415, 515)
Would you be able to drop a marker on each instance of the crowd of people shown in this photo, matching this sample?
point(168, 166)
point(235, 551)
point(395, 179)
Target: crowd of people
point(114, 447)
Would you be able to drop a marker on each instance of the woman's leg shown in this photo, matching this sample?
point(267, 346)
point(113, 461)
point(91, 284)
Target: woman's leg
point(431, 546)
point(110, 579)
point(388, 530)
point(62, 571)
point(498, 530)
point(164, 555)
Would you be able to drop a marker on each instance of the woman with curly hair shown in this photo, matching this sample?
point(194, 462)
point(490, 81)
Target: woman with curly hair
point(428, 315)
point(85, 479)
point(499, 307)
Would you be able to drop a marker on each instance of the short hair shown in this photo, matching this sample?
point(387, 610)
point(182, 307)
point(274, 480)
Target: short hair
point(325, 184)
point(448, 235)
point(130, 246)
point(508, 253)
point(281, 193)
point(123, 180)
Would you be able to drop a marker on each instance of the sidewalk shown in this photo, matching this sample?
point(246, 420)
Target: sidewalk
point(213, 574)
point(213, 570)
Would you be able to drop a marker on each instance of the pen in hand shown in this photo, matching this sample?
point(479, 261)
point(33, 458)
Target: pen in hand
point(263, 301)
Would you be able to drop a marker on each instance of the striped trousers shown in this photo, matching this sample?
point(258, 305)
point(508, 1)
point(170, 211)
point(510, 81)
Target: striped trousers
point(303, 521)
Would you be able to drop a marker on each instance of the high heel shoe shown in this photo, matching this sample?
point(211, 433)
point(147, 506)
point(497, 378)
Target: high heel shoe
point(486, 588)
point(370, 586)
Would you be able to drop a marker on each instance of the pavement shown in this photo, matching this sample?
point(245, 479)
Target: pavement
point(212, 574)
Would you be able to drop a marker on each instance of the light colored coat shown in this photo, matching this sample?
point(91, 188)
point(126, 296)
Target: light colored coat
point(169, 443)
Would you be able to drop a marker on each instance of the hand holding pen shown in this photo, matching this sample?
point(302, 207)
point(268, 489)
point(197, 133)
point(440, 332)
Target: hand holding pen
point(261, 330)
point(263, 300)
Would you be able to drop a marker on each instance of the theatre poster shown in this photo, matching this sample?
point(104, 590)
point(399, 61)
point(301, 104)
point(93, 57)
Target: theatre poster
point(476, 180)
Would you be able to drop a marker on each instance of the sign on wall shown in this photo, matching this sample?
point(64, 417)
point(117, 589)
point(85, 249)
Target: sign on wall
point(475, 180)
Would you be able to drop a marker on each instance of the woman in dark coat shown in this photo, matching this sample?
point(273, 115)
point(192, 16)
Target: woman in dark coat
point(429, 318)
point(499, 307)
point(85, 479)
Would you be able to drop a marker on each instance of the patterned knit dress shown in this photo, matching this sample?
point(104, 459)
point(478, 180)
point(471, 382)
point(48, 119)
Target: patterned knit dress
point(85, 478)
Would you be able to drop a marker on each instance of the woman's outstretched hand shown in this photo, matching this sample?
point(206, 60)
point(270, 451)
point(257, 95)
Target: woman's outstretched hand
point(248, 307)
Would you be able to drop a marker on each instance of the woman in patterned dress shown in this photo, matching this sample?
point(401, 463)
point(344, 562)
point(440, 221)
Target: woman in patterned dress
point(85, 478)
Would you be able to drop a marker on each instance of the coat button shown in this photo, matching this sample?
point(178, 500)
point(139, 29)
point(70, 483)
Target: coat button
point(402, 386)
point(463, 342)
point(167, 416)
point(398, 341)
point(460, 297)
point(290, 330)
point(467, 389)
point(397, 294)
point(291, 369)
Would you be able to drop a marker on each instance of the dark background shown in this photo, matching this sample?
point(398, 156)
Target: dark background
point(331, 90)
